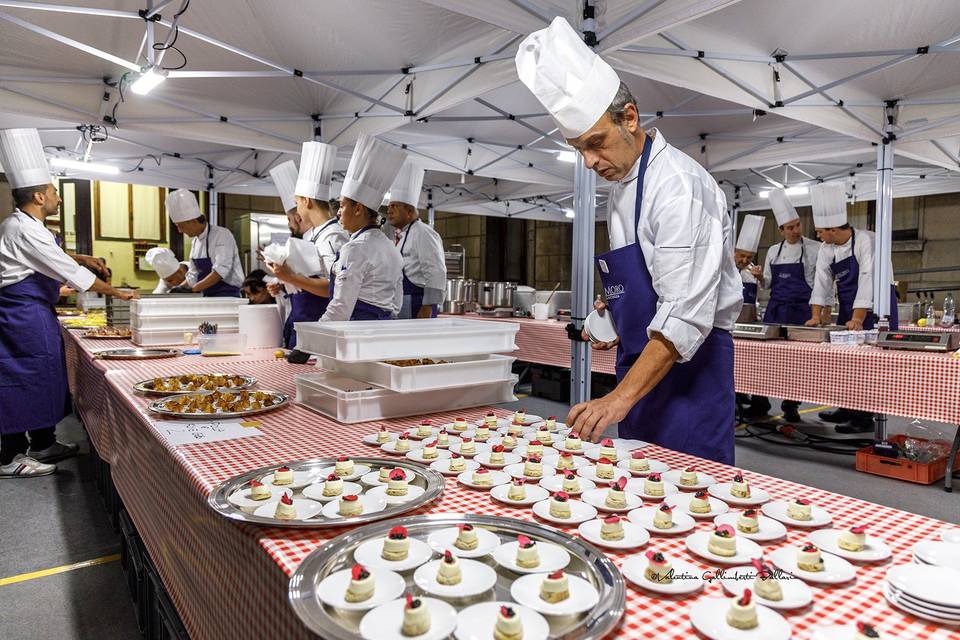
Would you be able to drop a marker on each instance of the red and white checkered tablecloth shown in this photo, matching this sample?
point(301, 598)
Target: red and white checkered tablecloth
point(229, 580)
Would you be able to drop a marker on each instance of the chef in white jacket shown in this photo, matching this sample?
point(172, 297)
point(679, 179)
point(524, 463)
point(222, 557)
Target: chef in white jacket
point(750, 274)
point(367, 281)
point(172, 273)
point(215, 269)
point(284, 181)
point(424, 265)
point(669, 280)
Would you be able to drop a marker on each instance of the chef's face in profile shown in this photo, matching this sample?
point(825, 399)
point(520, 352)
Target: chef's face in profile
point(50, 201)
point(177, 278)
point(829, 235)
point(192, 228)
point(792, 231)
point(293, 222)
point(611, 148)
point(353, 215)
point(742, 258)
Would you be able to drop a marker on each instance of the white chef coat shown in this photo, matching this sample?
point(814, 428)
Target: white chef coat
point(28, 247)
point(823, 287)
point(791, 255)
point(424, 263)
point(223, 252)
point(369, 269)
point(687, 241)
point(746, 277)
point(329, 239)
point(162, 286)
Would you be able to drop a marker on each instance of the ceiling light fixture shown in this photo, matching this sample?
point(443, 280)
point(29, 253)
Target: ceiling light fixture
point(567, 156)
point(148, 81)
point(91, 167)
point(569, 213)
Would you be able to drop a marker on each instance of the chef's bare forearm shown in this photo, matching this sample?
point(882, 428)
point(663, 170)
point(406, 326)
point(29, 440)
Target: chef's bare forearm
point(654, 362)
point(99, 286)
point(316, 286)
point(859, 314)
point(212, 278)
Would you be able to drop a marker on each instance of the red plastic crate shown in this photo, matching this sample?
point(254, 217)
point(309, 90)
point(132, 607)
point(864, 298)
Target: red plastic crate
point(901, 468)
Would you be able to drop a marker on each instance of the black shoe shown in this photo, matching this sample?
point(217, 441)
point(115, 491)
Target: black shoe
point(837, 416)
point(857, 426)
point(55, 452)
point(790, 413)
point(759, 408)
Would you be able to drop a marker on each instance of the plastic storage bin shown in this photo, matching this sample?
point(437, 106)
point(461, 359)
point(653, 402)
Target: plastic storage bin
point(401, 339)
point(167, 336)
point(348, 401)
point(189, 305)
point(459, 370)
point(222, 344)
point(901, 468)
point(184, 322)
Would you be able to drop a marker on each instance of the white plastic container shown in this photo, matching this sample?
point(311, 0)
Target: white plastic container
point(373, 340)
point(186, 306)
point(349, 401)
point(184, 322)
point(459, 370)
point(262, 324)
point(163, 337)
point(222, 344)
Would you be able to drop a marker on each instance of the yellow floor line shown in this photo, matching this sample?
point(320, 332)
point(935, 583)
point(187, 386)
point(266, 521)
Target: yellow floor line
point(43, 573)
point(801, 412)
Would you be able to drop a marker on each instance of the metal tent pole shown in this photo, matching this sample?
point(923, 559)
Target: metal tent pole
point(584, 191)
point(884, 236)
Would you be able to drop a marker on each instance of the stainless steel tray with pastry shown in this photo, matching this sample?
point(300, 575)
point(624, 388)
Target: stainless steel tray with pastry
point(191, 382)
point(219, 404)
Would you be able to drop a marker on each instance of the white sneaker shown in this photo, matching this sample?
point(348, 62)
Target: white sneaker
point(25, 467)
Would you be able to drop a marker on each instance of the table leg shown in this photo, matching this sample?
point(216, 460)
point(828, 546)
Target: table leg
point(880, 427)
point(948, 479)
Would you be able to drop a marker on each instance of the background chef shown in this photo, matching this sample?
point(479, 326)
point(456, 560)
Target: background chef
point(171, 272)
point(215, 269)
point(424, 265)
point(750, 274)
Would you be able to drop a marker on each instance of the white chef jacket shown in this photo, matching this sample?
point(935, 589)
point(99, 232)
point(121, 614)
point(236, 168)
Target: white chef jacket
point(746, 277)
point(823, 287)
point(369, 269)
point(424, 263)
point(223, 252)
point(329, 239)
point(28, 247)
point(687, 241)
point(791, 255)
point(162, 286)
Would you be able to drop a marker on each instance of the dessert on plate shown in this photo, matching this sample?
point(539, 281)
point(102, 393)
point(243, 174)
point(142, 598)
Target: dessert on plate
point(723, 541)
point(403, 443)
point(460, 424)
point(259, 491)
point(398, 484)
point(663, 518)
point(739, 488)
point(607, 450)
point(653, 485)
point(282, 476)
point(496, 454)
point(616, 495)
point(571, 484)
point(573, 442)
point(333, 486)
point(689, 477)
point(527, 555)
point(383, 435)
point(468, 447)
point(396, 546)
point(361, 585)
point(425, 429)
point(639, 462)
point(416, 617)
point(490, 419)
point(350, 506)
point(456, 462)
point(809, 558)
point(611, 528)
point(866, 631)
point(700, 502)
point(533, 467)
point(481, 477)
point(344, 466)
point(658, 568)
point(565, 461)
point(560, 505)
point(543, 435)
point(515, 429)
point(384, 476)
point(853, 539)
point(443, 439)
point(766, 584)
point(508, 625)
point(482, 433)
point(520, 416)
point(449, 572)
point(604, 469)
point(799, 509)
point(743, 612)
point(430, 450)
point(555, 587)
point(285, 508)
point(509, 442)
point(748, 522)
point(535, 448)
point(551, 423)
point(466, 538)
point(518, 490)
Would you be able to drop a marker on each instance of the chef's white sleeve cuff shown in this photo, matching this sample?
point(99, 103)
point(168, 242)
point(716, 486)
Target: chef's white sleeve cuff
point(821, 302)
point(432, 296)
point(863, 303)
point(685, 337)
point(81, 279)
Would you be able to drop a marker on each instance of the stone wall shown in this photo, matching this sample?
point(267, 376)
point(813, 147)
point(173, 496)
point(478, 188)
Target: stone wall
point(468, 231)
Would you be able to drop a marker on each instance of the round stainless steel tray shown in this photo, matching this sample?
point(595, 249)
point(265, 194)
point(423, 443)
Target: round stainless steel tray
point(280, 400)
point(96, 337)
point(586, 562)
point(136, 354)
point(431, 481)
point(144, 386)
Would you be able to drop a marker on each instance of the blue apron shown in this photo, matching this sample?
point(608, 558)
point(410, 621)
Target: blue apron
point(304, 307)
point(847, 274)
point(692, 408)
point(749, 293)
point(204, 266)
point(412, 294)
point(789, 292)
point(33, 372)
point(362, 310)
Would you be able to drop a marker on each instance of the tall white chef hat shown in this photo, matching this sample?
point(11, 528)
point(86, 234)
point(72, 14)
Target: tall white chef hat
point(408, 184)
point(782, 207)
point(316, 170)
point(163, 260)
point(829, 200)
point(750, 231)
point(284, 181)
point(21, 154)
point(182, 206)
point(373, 167)
point(574, 84)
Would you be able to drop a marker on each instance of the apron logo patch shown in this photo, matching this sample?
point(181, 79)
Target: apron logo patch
point(843, 274)
point(614, 291)
point(603, 266)
point(784, 276)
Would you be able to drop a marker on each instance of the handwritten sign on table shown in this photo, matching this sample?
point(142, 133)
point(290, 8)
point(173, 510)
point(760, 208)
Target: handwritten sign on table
point(181, 433)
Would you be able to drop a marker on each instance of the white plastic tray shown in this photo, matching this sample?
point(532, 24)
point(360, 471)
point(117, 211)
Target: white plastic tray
point(375, 340)
point(180, 306)
point(459, 370)
point(156, 338)
point(186, 322)
point(348, 401)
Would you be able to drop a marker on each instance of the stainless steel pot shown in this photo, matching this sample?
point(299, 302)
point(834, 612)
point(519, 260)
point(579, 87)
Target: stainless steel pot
point(454, 307)
point(461, 290)
point(492, 295)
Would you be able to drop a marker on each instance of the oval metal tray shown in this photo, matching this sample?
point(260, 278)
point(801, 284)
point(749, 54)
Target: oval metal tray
point(144, 385)
point(87, 336)
point(281, 399)
point(586, 562)
point(431, 481)
point(136, 354)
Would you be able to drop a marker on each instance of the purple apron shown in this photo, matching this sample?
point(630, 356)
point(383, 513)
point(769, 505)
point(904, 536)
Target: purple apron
point(789, 292)
point(304, 307)
point(362, 310)
point(204, 266)
point(33, 372)
point(413, 291)
point(750, 293)
point(847, 274)
point(692, 408)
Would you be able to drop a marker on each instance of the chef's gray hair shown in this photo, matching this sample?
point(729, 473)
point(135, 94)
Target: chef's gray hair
point(618, 106)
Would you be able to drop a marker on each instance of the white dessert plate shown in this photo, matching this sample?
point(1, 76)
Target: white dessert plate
point(417, 456)
point(699, 544)
point(387, 586)
point(496, 478)
point(479, 447)
point(638, 486)
point(770, 529)
point(558, 426)
point(950, 534)
point(413, 492)
point(899, 601)
point(590, 473)
point(508, 459)
point(682, 523)
point(444, 539)
point(561, 445)
point(598, 498)
point(386, 621)
point(876, 550)
point(722, 491)
point(451, 429)
point(927, 583)
point(555, 483)
point(443, 466)
point(600, 328)
point(371, 504)
point(593, 453)
point(415, 434)
point(552, 557)
point(534, 494)
point(579, 512)
point(241, 498)
point(517, 471)
point(687, 578)
point(359, 470)
point(796, 593)
point(372, 479)
point(369, 555)
point(451, 440)
point(306, 509)
point(477, 622)
point(936, 609)
point(633, 535)
point(315, 491)
point(576, 462)
point(836, 570)
point(372, 439)
point(655, 467)
point(548, 442)
point(704, 480)
point(391, 447)
point(778, 511)
point(300, 480)
point(476, 579)
point(583, 595)
point(528, 420)
point(709, 617)
point(940, 554)
point(682, 502)
point(549, 455)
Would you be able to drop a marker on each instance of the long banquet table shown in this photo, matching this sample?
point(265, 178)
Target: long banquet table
point(229, 580)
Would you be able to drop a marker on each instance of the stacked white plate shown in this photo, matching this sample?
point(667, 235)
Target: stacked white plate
point(939, 554)
point(926, 591)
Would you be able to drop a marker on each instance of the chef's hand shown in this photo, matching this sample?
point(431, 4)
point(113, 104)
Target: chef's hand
point(601, 306)
point(756, 271)
point(855, 325)
point(280, 271)
point(426, 311)
point(128, 295)
point(590, 419)
point(812, 322)
point(66, 291)
point(275, 289)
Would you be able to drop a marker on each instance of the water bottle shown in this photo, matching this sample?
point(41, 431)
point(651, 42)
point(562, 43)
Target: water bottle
point(931, 315)
point(949, 310)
